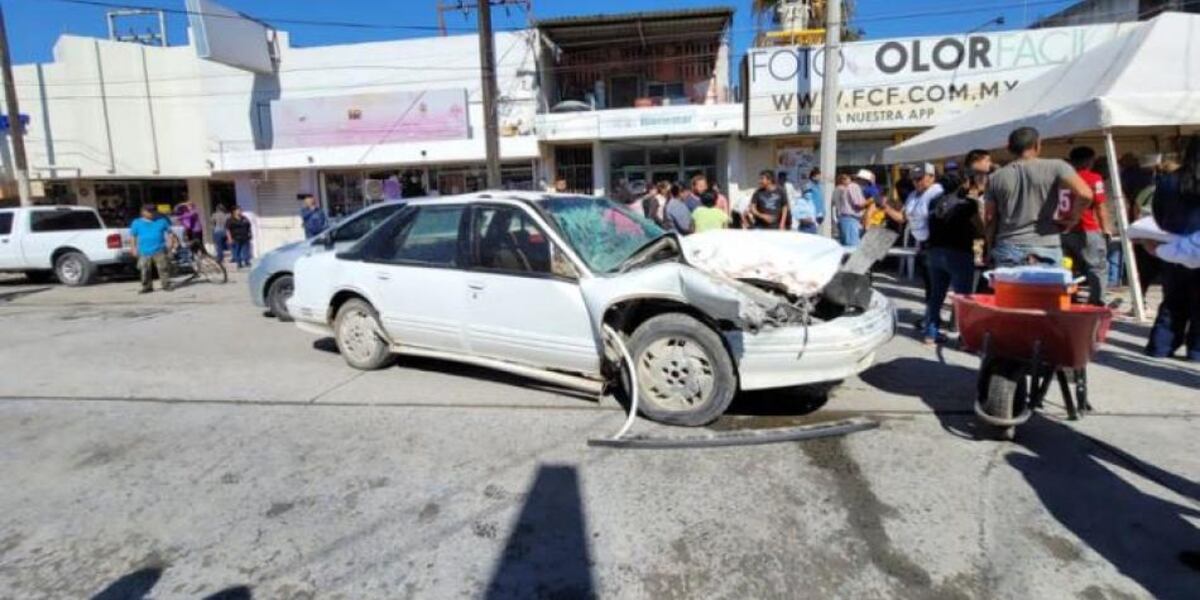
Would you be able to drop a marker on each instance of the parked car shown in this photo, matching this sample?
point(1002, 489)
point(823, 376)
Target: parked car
point(67, 242)
point(271, 280)
point(530, 283)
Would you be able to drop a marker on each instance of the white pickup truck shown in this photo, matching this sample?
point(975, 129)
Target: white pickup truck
point(68, 242)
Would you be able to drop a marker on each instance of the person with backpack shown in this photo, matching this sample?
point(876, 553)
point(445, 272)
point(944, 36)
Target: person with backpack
point(955, 220)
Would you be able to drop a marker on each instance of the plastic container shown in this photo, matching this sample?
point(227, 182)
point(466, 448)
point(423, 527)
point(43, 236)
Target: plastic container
point(1040, 288)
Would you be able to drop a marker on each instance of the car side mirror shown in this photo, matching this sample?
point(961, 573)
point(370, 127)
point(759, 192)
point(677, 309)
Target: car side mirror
point(326, 240)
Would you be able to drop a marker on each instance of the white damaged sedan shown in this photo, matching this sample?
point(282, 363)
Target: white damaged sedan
point(538, 285)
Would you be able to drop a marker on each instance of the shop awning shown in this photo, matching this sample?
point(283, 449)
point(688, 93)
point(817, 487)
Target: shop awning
point(1146, 77)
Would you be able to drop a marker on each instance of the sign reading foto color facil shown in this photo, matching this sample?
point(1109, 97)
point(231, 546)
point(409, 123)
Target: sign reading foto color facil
point(904, 83)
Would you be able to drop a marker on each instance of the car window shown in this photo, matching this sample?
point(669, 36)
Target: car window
point(505, 238)
point(63, 220)
point(429, 238)
point(362, 224)
point(6, 221)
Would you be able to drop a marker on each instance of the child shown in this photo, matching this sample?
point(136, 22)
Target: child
point(707, 216)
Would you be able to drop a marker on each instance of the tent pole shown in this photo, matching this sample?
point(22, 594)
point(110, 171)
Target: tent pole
point(1118, 194)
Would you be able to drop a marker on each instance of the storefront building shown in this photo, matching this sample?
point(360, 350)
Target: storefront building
point(632, 99)
point(117, 124)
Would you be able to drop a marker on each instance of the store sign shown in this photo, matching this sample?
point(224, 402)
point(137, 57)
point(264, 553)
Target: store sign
point(646, 122)
point(368, 119)
point(904, 82)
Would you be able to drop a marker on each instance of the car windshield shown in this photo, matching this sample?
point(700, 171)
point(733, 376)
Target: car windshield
point(603, 233)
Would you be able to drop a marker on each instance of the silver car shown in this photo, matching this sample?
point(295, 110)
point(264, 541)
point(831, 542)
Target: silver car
point(575, 289)
point(271, 281)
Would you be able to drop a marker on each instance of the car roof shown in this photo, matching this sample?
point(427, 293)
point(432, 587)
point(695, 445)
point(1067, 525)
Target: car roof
point(490, 196)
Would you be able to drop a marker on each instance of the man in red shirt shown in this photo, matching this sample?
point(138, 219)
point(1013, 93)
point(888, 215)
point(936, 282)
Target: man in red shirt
point(1086, 241)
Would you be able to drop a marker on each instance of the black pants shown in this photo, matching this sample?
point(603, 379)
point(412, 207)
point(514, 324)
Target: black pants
point(1178, 322)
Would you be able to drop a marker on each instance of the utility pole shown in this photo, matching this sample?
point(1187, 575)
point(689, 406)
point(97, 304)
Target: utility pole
point(15, 131)
point(829, 109)
point(491, 129)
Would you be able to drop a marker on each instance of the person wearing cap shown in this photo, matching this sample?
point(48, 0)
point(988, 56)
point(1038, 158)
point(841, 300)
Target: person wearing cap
point(849, 202)
point(916, 207)
point(1023, 219)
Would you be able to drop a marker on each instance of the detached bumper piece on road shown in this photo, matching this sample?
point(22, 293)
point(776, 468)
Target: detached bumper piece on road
point(745, 437)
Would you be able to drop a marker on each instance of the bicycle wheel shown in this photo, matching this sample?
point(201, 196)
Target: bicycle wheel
point(209, 269)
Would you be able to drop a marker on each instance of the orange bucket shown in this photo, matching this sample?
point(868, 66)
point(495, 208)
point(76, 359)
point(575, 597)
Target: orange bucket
point(1038, 296)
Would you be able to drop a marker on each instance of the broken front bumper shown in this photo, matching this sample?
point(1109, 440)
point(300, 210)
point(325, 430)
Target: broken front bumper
point(833, 350)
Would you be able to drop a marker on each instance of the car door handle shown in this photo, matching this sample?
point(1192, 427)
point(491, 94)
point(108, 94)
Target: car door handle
point(475, 285)
point(382, 276)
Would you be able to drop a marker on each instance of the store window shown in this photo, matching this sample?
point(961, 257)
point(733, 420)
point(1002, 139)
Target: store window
point(119, 202)
point(574, 164)
point(344, 193)
point(57, 193)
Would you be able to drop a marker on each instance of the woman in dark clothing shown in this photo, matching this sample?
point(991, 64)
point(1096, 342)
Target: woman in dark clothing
point(238, 230)
point(955, 221)
point(1177, 210)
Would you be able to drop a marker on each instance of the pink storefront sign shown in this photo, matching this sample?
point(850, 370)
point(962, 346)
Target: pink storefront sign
point(366, 119)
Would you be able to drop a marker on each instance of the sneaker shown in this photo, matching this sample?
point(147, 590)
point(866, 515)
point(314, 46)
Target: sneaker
point(145, 291)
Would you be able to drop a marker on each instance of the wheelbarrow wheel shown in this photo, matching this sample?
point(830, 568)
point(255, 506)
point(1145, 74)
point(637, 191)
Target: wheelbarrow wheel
point(1005, 395)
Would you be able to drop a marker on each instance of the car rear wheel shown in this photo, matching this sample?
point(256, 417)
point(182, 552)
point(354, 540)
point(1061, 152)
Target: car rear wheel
point(277, 296)
point(73, 269)
point(685, 376)
point(356, 332)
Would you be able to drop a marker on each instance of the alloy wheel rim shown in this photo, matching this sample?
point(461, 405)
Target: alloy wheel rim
point(358, 335)
point(676, 373)
point(71, 270)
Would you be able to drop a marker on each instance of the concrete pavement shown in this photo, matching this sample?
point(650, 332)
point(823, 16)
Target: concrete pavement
point(184, 444)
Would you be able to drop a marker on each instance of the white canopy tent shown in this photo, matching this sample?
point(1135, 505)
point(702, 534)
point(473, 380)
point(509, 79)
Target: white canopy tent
point(1148, 77)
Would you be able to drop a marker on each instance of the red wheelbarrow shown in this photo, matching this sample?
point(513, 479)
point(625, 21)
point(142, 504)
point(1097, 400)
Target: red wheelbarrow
point(1022, 350)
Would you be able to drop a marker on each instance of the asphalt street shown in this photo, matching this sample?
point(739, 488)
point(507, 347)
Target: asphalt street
point(185, 446)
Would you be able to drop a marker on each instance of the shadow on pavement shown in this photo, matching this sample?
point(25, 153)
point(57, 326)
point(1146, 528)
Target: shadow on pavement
point(131, 586)
point(138, 584)
point(547, 554)
point(9, 296)
point(447, 367)
point(948, 390)
point(1145, 537)
point(1152, 369)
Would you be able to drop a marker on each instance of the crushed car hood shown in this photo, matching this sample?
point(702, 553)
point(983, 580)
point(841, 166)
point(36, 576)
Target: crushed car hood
point(715, 272)
point(802, 264)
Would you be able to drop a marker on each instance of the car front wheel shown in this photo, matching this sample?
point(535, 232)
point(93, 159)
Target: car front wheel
point(278, 295)
point(685, 376)
point(356, 332)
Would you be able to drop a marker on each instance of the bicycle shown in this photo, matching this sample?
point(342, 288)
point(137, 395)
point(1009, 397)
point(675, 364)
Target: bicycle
point(193, 258)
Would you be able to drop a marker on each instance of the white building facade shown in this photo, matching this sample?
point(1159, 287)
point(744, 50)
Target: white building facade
point(117, 124)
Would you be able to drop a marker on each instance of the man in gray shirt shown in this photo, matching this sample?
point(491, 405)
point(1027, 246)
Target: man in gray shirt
point(1023, 198)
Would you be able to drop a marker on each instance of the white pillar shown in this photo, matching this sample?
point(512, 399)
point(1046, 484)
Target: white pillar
point(599, 169)
point(1114, 170)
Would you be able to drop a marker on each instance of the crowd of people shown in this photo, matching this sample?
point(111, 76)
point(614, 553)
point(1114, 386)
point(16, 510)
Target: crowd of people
point(1031, 210)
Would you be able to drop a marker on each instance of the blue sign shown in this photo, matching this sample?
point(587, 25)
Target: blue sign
point(4, 122)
